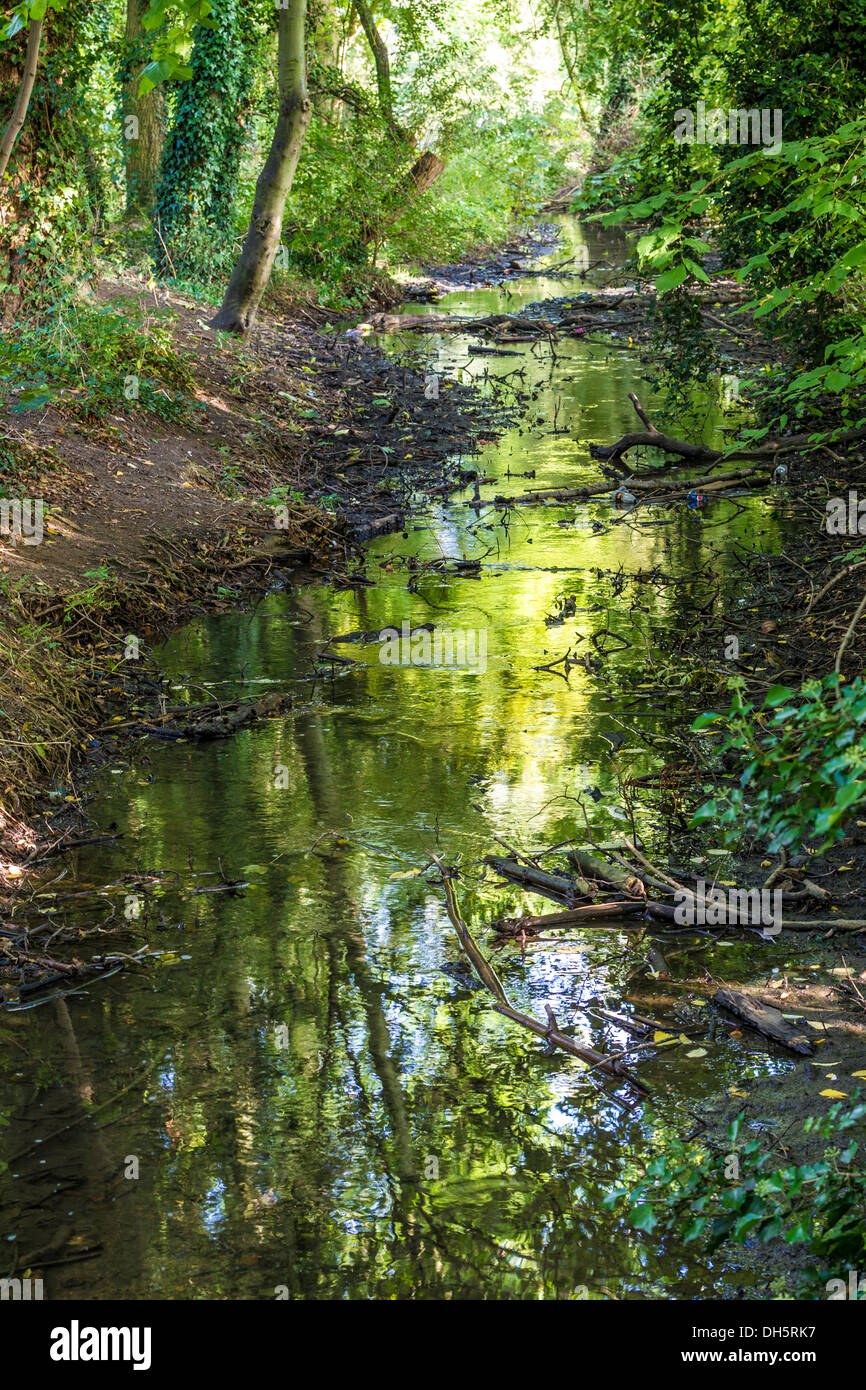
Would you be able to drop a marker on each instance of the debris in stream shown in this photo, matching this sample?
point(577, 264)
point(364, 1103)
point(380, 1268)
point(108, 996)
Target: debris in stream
point(213, 719)
point(765, 1019)
point(26, 969)
point(551, 1033)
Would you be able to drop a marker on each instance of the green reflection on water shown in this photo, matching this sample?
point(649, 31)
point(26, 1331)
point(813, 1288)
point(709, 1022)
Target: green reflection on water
point(311, 1102)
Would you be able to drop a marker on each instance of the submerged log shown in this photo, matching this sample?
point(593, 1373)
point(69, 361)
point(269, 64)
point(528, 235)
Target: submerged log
point(573, 917)
point(764, 1019)
point(549, 885)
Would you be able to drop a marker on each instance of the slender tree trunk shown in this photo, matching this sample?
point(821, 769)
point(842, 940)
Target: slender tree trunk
point(253, 270)
point(326, 43)
point(572, 75)
point(19, 112)
point(143, 121)
point(379, 49)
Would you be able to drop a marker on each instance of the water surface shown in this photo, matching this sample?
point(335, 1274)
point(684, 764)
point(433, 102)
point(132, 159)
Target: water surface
point(295, 1097)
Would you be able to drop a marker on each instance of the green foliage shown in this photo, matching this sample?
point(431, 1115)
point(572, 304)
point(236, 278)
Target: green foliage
point(791, 221)
point(802, 758)
point(607, 188)
point(173, 25)
point(493, 182)
point(198, 187)
point(81, 356)
point(351, 209)
point(698, 1194)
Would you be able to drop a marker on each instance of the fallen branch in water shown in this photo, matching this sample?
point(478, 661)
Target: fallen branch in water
point(550, 1032)
point(214, 719)
point(764, 1019)
point(701, 453)
point(567, 890)
point(555, 886)
point(574, 917)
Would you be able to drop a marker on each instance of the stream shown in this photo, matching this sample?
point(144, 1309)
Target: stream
point(295, 1099)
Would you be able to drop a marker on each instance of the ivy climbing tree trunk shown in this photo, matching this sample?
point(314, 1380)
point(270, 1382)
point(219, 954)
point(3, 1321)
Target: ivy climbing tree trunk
point(196, 195)
point(44, 214)
point(253, 270)
point(143, 118)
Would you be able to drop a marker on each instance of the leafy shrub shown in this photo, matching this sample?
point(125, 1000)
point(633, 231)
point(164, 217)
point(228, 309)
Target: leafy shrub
point(802, 760)
point(81, 356)
point(696, 1193)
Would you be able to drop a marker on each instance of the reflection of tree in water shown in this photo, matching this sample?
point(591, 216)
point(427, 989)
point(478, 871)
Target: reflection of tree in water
point(65, 1194)
point(307, 1166)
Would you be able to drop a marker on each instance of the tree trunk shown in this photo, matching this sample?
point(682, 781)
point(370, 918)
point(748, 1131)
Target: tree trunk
point(327, 35)
point(379, 50)
point(19, 112)
point(253, 270)
point(143, 120)
point(428, 167)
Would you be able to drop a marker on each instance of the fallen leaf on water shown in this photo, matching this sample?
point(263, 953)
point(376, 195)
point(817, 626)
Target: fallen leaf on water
point(697, 1052)
point(834, 1095)
point(732, 1091)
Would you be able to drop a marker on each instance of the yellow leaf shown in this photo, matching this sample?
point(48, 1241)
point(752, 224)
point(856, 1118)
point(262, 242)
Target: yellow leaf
point(859, 1073)
point(662, 1037)
point(697, 1052)
point(732, 1091)
point(834, 1095)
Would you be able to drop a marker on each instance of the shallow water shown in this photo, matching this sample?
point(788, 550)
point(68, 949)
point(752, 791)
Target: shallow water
point(295, 1095)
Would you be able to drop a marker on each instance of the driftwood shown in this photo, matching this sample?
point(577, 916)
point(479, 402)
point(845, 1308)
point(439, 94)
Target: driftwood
point(444, 323)
point(700, 453)
point(549, 1031)
point(365, 530)
point(211, 720)
point(529, 326)
point(606, 873)
point(555, 886)
point(555, 1038)
point(764, 1019)
point(567, 890)
point(574, 917)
